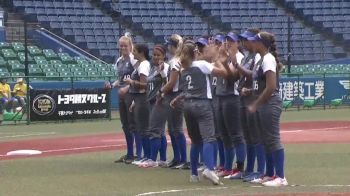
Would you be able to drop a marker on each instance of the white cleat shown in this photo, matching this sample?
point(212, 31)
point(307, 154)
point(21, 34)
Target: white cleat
point(194, 179)
point(277, 182)
point(148, 164)
point(261, 180)
point(211, 175)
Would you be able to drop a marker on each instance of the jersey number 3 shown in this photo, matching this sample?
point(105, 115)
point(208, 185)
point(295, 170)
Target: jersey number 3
point(189, 82)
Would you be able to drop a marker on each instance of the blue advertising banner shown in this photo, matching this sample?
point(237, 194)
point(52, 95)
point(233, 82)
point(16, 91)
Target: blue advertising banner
point(315, 88)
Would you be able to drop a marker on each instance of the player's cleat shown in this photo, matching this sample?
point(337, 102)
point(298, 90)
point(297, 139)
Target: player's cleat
point(173, 163)
point(194, 179)
point(162, 164)
point(235, 174)
point(262, 179)
point(121, 159)
point(183, 166)
point(201, 168)
point(276, 182)
point(139, 161)
point(224, 173)
point(148, 164)
point(252, 176)
point(128, 160)
point(211, 175)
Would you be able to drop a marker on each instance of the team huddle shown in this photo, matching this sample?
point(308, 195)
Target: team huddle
point(224, 86)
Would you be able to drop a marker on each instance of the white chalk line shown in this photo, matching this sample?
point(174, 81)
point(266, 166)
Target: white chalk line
point(75, 149)
point(319, 129)
point(27, 135)
point(180, 190)
point(221, 188)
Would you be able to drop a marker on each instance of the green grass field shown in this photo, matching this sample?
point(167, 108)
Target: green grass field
point(310, 166)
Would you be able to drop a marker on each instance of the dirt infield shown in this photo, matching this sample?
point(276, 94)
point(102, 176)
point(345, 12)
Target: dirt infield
point(299, 132)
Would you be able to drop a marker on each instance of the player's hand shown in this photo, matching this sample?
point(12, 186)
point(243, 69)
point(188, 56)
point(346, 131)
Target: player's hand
point(223, 54)
point(245, 91)
point(128, 81)
point(107, 85)
point(160, 66)
point(252, 108)
point(132, 106)
point(173, 103)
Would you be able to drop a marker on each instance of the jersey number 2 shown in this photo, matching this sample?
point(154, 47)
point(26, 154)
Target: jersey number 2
point(189, 82)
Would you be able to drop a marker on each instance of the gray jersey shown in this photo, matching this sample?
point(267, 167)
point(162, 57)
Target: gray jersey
point(124, 67)
point(228, 86)
point(155, 81)
point(196, 80)
point(144, 69)
point(248, 63)
point(266, 63)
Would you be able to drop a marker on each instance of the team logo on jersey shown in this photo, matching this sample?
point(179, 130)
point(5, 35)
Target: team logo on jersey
point(43, 105)
point(345, 83)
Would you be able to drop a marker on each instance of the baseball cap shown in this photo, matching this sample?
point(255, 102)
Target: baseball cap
point(246, 34)
point(203, 41)
point(232, 36)
point(219, 38)
point(258, 38)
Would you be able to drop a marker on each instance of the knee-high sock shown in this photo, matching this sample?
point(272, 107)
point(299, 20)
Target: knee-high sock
point(181, 141)
point(163, 147)
point(240, 153)
point(138, 143)
point(229, 155)
point(175, 148)
point(221, 152)
point(269, 165)
point(260, 156)
point(251, 154)
point(215, 154)
point(278, 159)
point(129, 137)
point(208, 153)
point(155, 146)
point(194, 156)
point(146, 147)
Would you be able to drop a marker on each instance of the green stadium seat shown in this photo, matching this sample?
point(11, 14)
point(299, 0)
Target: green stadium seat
point(94, 75)
point(9, 54)
point(35, 51)
point(66, 75)
point(80, 75)
point(17, 74)
point(100, 69)
point(35, 72)
point(52, 76)
point(55, 62)
point(4, 74)
point(4, 45)
point(36, 79)
point(23, 58)
point(90, 69)
point(17, 67)
point(61, 66)
point(309, 103)
point(50, 54)
point(77, 58)
point(63, 69)
point(77, 69)
point(66, 58)
point(81, 62)
point(287, 104)
point(73, 65)
point(3, 63)
point(108, 75)
point(43, 66)
point(47, 70)
point(18, 46)
point(87, 65)
point(33, 66)
point(4, 70)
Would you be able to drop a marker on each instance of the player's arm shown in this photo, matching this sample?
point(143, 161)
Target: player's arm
point(245, 72)
point(178, 98)
point(142, 84)
point(168, 87)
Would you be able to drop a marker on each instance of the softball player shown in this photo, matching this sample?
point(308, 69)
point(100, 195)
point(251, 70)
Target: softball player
point(158, 114)
point(137, 89)
point(269, 109)
point(202, 54)
point(255, 149)
point(228, 113)
point(198, 109)
point(175, 115)
point(125, 66)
